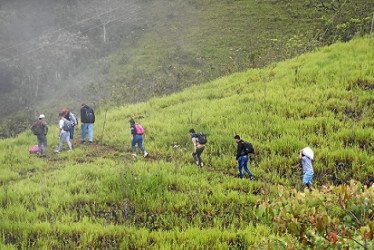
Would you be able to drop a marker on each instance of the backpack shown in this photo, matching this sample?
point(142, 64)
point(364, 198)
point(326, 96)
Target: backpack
point(73, 119)
point(34, 149)
point(139, 129)
point(37, 128)
point(248, 148)
point(87, 115)
point(202, 138)
point(67, 125)
point(90, 115)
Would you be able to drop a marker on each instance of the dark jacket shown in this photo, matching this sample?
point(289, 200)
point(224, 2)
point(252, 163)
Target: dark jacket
point(87, 115)
point(241, 150)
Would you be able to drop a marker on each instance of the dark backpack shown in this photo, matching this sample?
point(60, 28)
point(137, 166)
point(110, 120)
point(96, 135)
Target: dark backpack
point(248, 148)
point(67, 125)
point(202, 138)
point(90, 115)
point(37, 128)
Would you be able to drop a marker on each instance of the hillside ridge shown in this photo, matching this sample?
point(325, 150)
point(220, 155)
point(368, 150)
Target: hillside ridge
point(99, 197)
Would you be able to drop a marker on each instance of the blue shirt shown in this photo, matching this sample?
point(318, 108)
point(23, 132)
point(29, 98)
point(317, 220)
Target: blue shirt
point(306, 162)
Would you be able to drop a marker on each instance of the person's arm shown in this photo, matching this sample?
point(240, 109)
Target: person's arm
point(82, 115)
point(73, 119)
point(45, 128)
point(194, 141)
point(60, 124)
point(239, 150)
point(132, 130)
point(301, 154)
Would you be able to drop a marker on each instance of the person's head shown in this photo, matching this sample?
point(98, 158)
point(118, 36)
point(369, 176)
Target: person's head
point(237, 138)
point(41, 117)
point(64, 111)
point(132, 121)
point(61, 115)
point(192, 131)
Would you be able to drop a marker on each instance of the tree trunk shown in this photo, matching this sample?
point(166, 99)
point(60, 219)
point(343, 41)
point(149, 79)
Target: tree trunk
point(37, 86)
point(104, 32)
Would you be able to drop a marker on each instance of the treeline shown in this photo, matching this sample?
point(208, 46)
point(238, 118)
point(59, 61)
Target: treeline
point(54, 52)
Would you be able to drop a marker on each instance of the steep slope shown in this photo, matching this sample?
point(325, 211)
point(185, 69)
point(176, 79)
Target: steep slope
point(162, 47)
point(99, 196)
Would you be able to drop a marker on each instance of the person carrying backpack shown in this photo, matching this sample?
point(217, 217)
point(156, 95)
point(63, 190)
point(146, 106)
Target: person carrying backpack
point(40, 129)
point(244, 148)
point(87, 122)
point(64, 132)
point(306, 156)
point(73, 119)
point(137, 132)
point(198, 141)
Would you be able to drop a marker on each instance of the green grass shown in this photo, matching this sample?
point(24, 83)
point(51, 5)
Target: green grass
point(99, 197)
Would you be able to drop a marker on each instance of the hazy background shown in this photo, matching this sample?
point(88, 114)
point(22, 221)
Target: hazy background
point(58, 54)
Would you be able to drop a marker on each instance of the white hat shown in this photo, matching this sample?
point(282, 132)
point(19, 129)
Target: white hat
point(41, 116)
point(308, 152)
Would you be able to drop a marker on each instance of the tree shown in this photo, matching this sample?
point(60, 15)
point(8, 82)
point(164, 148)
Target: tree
point(105, 12)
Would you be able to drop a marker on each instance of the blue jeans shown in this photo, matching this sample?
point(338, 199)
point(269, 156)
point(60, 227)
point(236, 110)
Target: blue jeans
point(137, 139)
point(42, 140)
point(72, 132)
point(87, 127)
point(243, 162)
point(308, 176)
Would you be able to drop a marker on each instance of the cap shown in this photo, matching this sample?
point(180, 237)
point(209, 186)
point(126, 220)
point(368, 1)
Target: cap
point(64, 111)
point(41, 116)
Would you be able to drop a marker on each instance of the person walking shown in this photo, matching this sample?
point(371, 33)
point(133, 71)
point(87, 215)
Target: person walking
point(243, 149)
point(306, 156)
point(64, 132)
point(40, 129)
point(137, 132)
point(73, 119)
point(87, 123)
point(198, 148)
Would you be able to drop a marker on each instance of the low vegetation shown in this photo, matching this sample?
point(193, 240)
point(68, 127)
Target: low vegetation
point(98, 196)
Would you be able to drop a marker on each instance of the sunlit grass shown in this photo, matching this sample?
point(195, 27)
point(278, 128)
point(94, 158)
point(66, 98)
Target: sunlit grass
point(98, 196)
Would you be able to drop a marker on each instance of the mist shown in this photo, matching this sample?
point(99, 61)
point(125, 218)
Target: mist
point(57, 54)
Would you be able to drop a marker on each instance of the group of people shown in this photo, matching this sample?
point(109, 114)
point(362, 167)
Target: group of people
point(67, 125)
point(244, 148)
point(68, 122)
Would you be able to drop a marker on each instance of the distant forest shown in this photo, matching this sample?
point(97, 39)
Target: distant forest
point(57, 54)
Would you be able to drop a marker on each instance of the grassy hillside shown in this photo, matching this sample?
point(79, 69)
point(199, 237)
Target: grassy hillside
point(99, 197)
point(168, 46)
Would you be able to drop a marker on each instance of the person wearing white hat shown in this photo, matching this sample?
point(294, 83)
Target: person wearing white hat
point(306, 156)
point(40, 129)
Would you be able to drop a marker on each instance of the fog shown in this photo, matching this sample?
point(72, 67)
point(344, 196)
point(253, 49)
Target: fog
point(57, 54)
point(48, 47)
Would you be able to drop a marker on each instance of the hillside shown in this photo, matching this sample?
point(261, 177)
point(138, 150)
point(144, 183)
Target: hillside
point(152, 48)
point(99, 197)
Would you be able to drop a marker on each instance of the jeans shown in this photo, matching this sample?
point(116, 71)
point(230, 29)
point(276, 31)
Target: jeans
point(65, 136)
point(137, 139)
point(197, 156)
point(42, 140)
point(308, 176)
point(243, 162)
point(72, 132)
point(85, 127)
